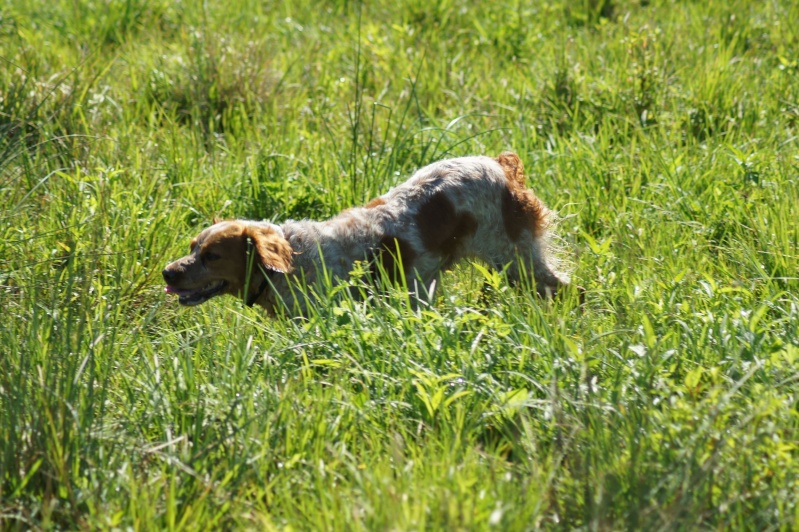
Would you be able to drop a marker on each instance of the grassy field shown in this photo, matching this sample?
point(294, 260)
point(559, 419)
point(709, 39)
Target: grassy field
point(666, 134)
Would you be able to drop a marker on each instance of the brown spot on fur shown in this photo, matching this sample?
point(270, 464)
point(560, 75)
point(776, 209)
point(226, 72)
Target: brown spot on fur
point(350, 222)
point(375, 203)
point(273, 250)
point(390, 251)
point(443, 229)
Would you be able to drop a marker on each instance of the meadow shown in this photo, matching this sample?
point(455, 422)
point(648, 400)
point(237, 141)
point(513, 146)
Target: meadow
point(665, 134)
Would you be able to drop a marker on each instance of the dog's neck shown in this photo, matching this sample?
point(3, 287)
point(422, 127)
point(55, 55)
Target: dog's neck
point(259, 279)
point(260, 290)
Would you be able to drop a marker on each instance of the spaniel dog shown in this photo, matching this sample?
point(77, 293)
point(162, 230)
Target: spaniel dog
point(469, 207)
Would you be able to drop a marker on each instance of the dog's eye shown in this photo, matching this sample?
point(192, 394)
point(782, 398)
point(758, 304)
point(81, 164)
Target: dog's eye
point(211, 256)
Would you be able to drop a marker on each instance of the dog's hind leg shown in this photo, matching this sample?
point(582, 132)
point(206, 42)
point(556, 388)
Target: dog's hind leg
point(530, 260)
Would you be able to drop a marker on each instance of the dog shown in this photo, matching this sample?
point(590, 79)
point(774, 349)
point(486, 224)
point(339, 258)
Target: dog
point(468, 207)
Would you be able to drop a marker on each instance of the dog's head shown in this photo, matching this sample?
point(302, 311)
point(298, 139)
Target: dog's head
point(228, 258)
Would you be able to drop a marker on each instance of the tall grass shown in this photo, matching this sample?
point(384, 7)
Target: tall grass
point(665, 135)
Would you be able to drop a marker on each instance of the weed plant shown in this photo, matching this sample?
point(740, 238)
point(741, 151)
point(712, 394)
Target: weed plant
point(665, 134)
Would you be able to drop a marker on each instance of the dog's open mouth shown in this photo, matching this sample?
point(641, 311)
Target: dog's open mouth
point(197, 296)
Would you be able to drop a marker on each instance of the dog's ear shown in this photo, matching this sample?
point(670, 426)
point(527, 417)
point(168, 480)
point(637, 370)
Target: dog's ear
point(273, 250)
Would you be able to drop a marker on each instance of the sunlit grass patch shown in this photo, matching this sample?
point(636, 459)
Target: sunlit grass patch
point(663, 133)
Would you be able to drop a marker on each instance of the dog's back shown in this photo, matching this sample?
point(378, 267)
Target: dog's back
point(468, 207)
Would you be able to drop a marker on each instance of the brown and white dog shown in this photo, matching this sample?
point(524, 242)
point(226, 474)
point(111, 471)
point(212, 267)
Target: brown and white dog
point(469, 207)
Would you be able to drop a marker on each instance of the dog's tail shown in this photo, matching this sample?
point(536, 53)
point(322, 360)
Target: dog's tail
point(521, 204)
point(513, 167)
point(525, 208)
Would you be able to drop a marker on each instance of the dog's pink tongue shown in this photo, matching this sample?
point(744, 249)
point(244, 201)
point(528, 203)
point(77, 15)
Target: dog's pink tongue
point(169, 290)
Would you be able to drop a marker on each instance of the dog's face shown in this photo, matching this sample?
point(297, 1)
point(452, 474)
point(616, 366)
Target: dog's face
point(219, 261)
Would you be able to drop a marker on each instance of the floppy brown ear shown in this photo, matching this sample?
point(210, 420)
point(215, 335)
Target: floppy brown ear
point(273, 250)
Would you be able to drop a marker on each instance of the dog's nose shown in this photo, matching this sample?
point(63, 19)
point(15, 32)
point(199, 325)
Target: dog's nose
point(169, 275)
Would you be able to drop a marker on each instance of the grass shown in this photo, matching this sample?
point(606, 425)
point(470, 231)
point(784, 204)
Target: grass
point(665, 134)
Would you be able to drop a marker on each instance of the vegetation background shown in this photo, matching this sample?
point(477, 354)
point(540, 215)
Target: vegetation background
point(665, 134)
